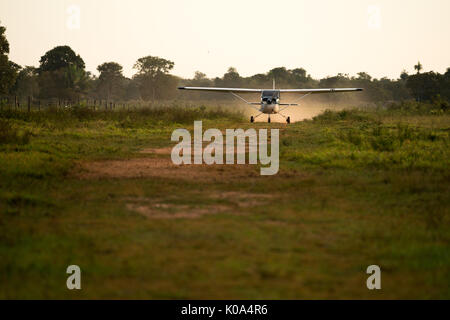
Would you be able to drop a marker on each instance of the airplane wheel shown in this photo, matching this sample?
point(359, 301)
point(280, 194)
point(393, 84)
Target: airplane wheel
point(268, 120)
point(252, 119)
point(288, 120)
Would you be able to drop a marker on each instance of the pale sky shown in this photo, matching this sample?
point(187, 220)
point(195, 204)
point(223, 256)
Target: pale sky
point(325, 37)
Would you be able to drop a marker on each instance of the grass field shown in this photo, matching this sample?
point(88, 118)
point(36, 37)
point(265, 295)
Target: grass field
point(96, 189)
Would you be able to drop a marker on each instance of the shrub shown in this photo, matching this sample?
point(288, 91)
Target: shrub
point(346, 114)
point(436, 107)
point(11, 135)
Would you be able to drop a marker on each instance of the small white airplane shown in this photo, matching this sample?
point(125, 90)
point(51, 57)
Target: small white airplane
point(270, 98)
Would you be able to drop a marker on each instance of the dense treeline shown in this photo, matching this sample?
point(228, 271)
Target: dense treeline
point(62, 75)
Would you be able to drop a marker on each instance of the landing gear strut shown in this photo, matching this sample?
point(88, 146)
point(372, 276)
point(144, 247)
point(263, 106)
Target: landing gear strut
point(252, 118)
point(288, 119)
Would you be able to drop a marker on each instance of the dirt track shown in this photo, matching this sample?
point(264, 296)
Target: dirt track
point(161, 166)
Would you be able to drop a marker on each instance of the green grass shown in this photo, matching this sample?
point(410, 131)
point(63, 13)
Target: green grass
point(355, 188)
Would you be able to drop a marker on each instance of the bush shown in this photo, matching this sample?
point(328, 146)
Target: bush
point(11, 135)
point(346, 114)
point(436, 107)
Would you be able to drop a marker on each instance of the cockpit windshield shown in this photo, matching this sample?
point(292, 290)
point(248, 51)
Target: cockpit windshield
point(271, 94)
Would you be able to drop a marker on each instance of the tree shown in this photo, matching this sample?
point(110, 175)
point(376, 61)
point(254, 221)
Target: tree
point(60, 57)
point(200, 80)
point(199, 76)
point(153, 76)
point(62, 74)
point(8, 69)
point(299, 77)
point(153, 66)
point(364, 76)
point(404, 75)
point(425, 86)
point(27, 82)
point(299, 73)
point(281, 75)
point(4, 44)
point(111, 80)
point(132, 91)
point(232, 78)
point(259, 80)
point(418, 67)
point(445, 86)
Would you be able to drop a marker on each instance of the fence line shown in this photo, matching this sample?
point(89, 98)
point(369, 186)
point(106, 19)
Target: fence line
point(30, 103)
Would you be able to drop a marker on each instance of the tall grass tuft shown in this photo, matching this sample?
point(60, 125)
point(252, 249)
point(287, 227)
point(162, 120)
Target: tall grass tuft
point(11, 135)
point(150, 115)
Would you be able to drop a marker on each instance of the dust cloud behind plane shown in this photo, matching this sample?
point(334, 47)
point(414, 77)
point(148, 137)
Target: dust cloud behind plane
point(325, 37)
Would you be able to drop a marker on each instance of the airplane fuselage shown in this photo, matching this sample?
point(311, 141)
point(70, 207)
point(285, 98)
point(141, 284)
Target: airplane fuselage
point(270, 100)
point(269, 108)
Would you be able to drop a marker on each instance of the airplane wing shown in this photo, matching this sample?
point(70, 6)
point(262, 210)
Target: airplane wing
point(211, 89)
point(315, 91)
point(244, 90)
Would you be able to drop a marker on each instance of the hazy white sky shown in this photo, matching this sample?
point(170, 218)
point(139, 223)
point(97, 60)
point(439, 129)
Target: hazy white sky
point(325, 37)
